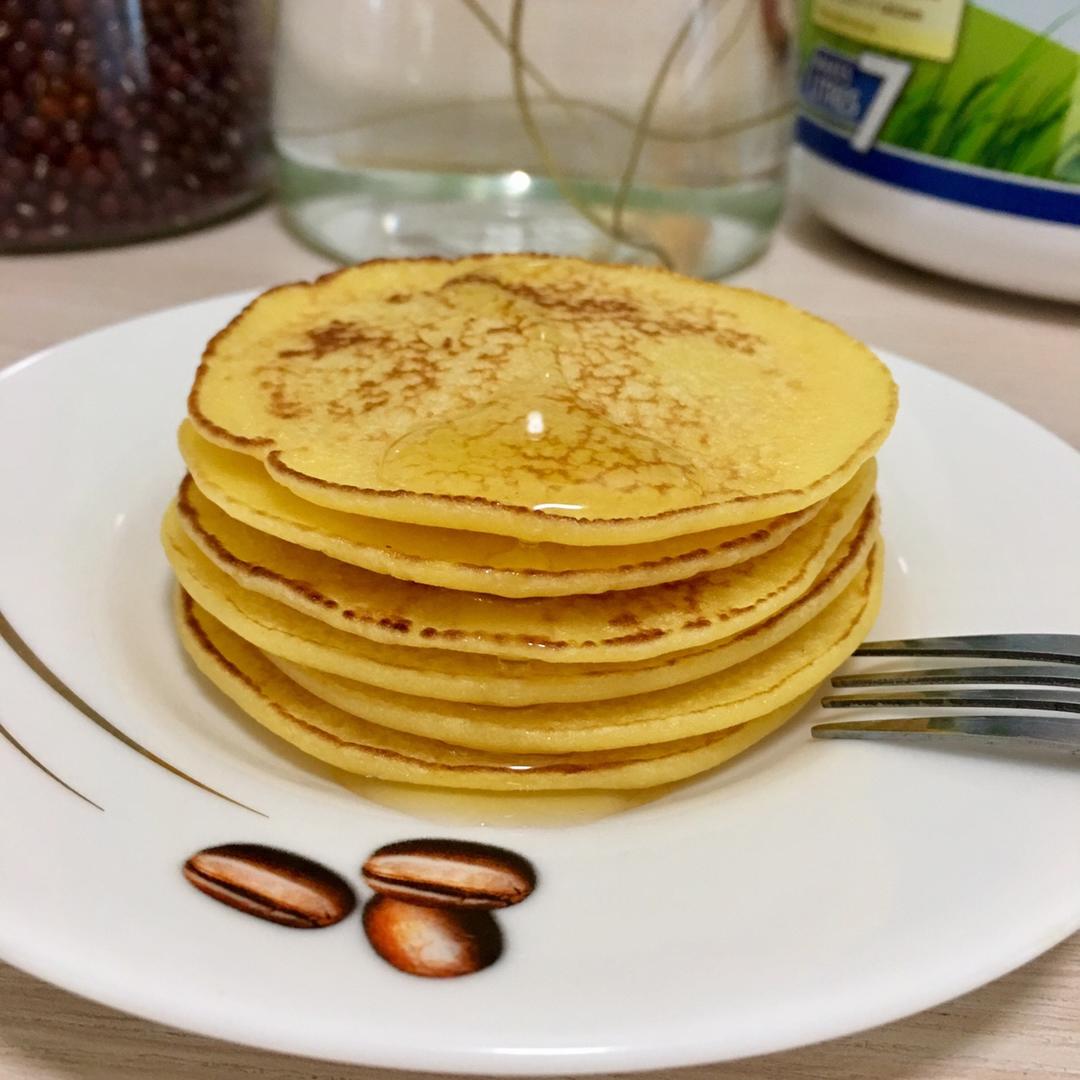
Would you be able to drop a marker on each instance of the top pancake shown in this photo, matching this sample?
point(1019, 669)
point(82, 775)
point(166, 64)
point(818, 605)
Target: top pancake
point(548, 399)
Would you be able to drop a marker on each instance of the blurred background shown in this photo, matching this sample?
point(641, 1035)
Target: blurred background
point(946, 134)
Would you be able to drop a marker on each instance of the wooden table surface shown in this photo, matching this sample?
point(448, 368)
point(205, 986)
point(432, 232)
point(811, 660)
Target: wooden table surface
point(1023, 351)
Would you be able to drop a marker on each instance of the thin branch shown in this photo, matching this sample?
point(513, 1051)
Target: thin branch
point(551, 166)
point(660, 134)
point(637, 144)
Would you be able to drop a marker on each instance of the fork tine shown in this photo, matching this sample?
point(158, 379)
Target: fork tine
point(1063, 648)
point(1028, 731)
point(1001, 698)
point(1033, 674)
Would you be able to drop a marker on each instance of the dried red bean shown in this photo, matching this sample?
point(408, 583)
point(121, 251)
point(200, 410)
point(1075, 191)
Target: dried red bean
point(107, 134)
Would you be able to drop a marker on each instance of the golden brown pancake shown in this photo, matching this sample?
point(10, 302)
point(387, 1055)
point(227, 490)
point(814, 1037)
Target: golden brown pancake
point(468, 561)
point(630, 625)
point(458, 676)
point(547, 399)
point(740, 693)
point(347, 742)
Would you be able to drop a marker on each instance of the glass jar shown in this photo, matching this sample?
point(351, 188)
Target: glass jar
point(620, 130)
point(122, 119)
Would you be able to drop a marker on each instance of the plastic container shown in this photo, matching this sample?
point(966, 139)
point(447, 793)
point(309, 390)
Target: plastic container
point(948, 134)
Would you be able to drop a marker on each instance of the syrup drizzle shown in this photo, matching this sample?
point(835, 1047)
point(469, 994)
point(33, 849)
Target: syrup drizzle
point(537, 443)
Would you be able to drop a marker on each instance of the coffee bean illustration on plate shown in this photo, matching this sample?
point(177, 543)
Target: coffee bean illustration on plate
point(432, 910)
point(435, 942)
point(432, 913)
point(271, 884)
point(450, 873)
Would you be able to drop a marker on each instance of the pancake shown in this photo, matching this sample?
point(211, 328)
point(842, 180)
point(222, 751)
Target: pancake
point(744, 692)
point(469, 561)
point(347, 742)
point(457, 676)
point(547, 399)
point(610, 627)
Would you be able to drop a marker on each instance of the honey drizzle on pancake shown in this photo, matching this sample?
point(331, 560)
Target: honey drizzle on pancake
point(562, 455)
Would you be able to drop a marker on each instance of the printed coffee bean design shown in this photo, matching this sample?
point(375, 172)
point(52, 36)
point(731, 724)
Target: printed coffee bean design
point(431, 915)
point(271, 884)
point(435, 942)
point(450, 873)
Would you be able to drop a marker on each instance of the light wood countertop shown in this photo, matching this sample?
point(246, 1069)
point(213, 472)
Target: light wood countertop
point(1022, 351)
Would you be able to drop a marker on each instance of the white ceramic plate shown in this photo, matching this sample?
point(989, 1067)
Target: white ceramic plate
point(810, 890)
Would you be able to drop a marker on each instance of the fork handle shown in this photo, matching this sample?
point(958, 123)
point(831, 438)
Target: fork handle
point(1064, 648)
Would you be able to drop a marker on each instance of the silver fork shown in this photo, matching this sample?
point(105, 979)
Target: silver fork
point(1050, 661)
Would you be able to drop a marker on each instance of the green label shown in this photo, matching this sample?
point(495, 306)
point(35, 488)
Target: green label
point(1007, 100)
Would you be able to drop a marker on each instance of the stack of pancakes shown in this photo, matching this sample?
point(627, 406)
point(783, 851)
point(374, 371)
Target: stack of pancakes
point(526, 523)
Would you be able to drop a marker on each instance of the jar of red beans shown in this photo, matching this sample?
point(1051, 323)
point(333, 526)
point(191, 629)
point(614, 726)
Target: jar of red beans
point(122, 119)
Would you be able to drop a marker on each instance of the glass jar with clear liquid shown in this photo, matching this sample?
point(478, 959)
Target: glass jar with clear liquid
point(618, 130)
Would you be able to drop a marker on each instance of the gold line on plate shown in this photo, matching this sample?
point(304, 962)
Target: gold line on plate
point(50, 678)
point(4, 733)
